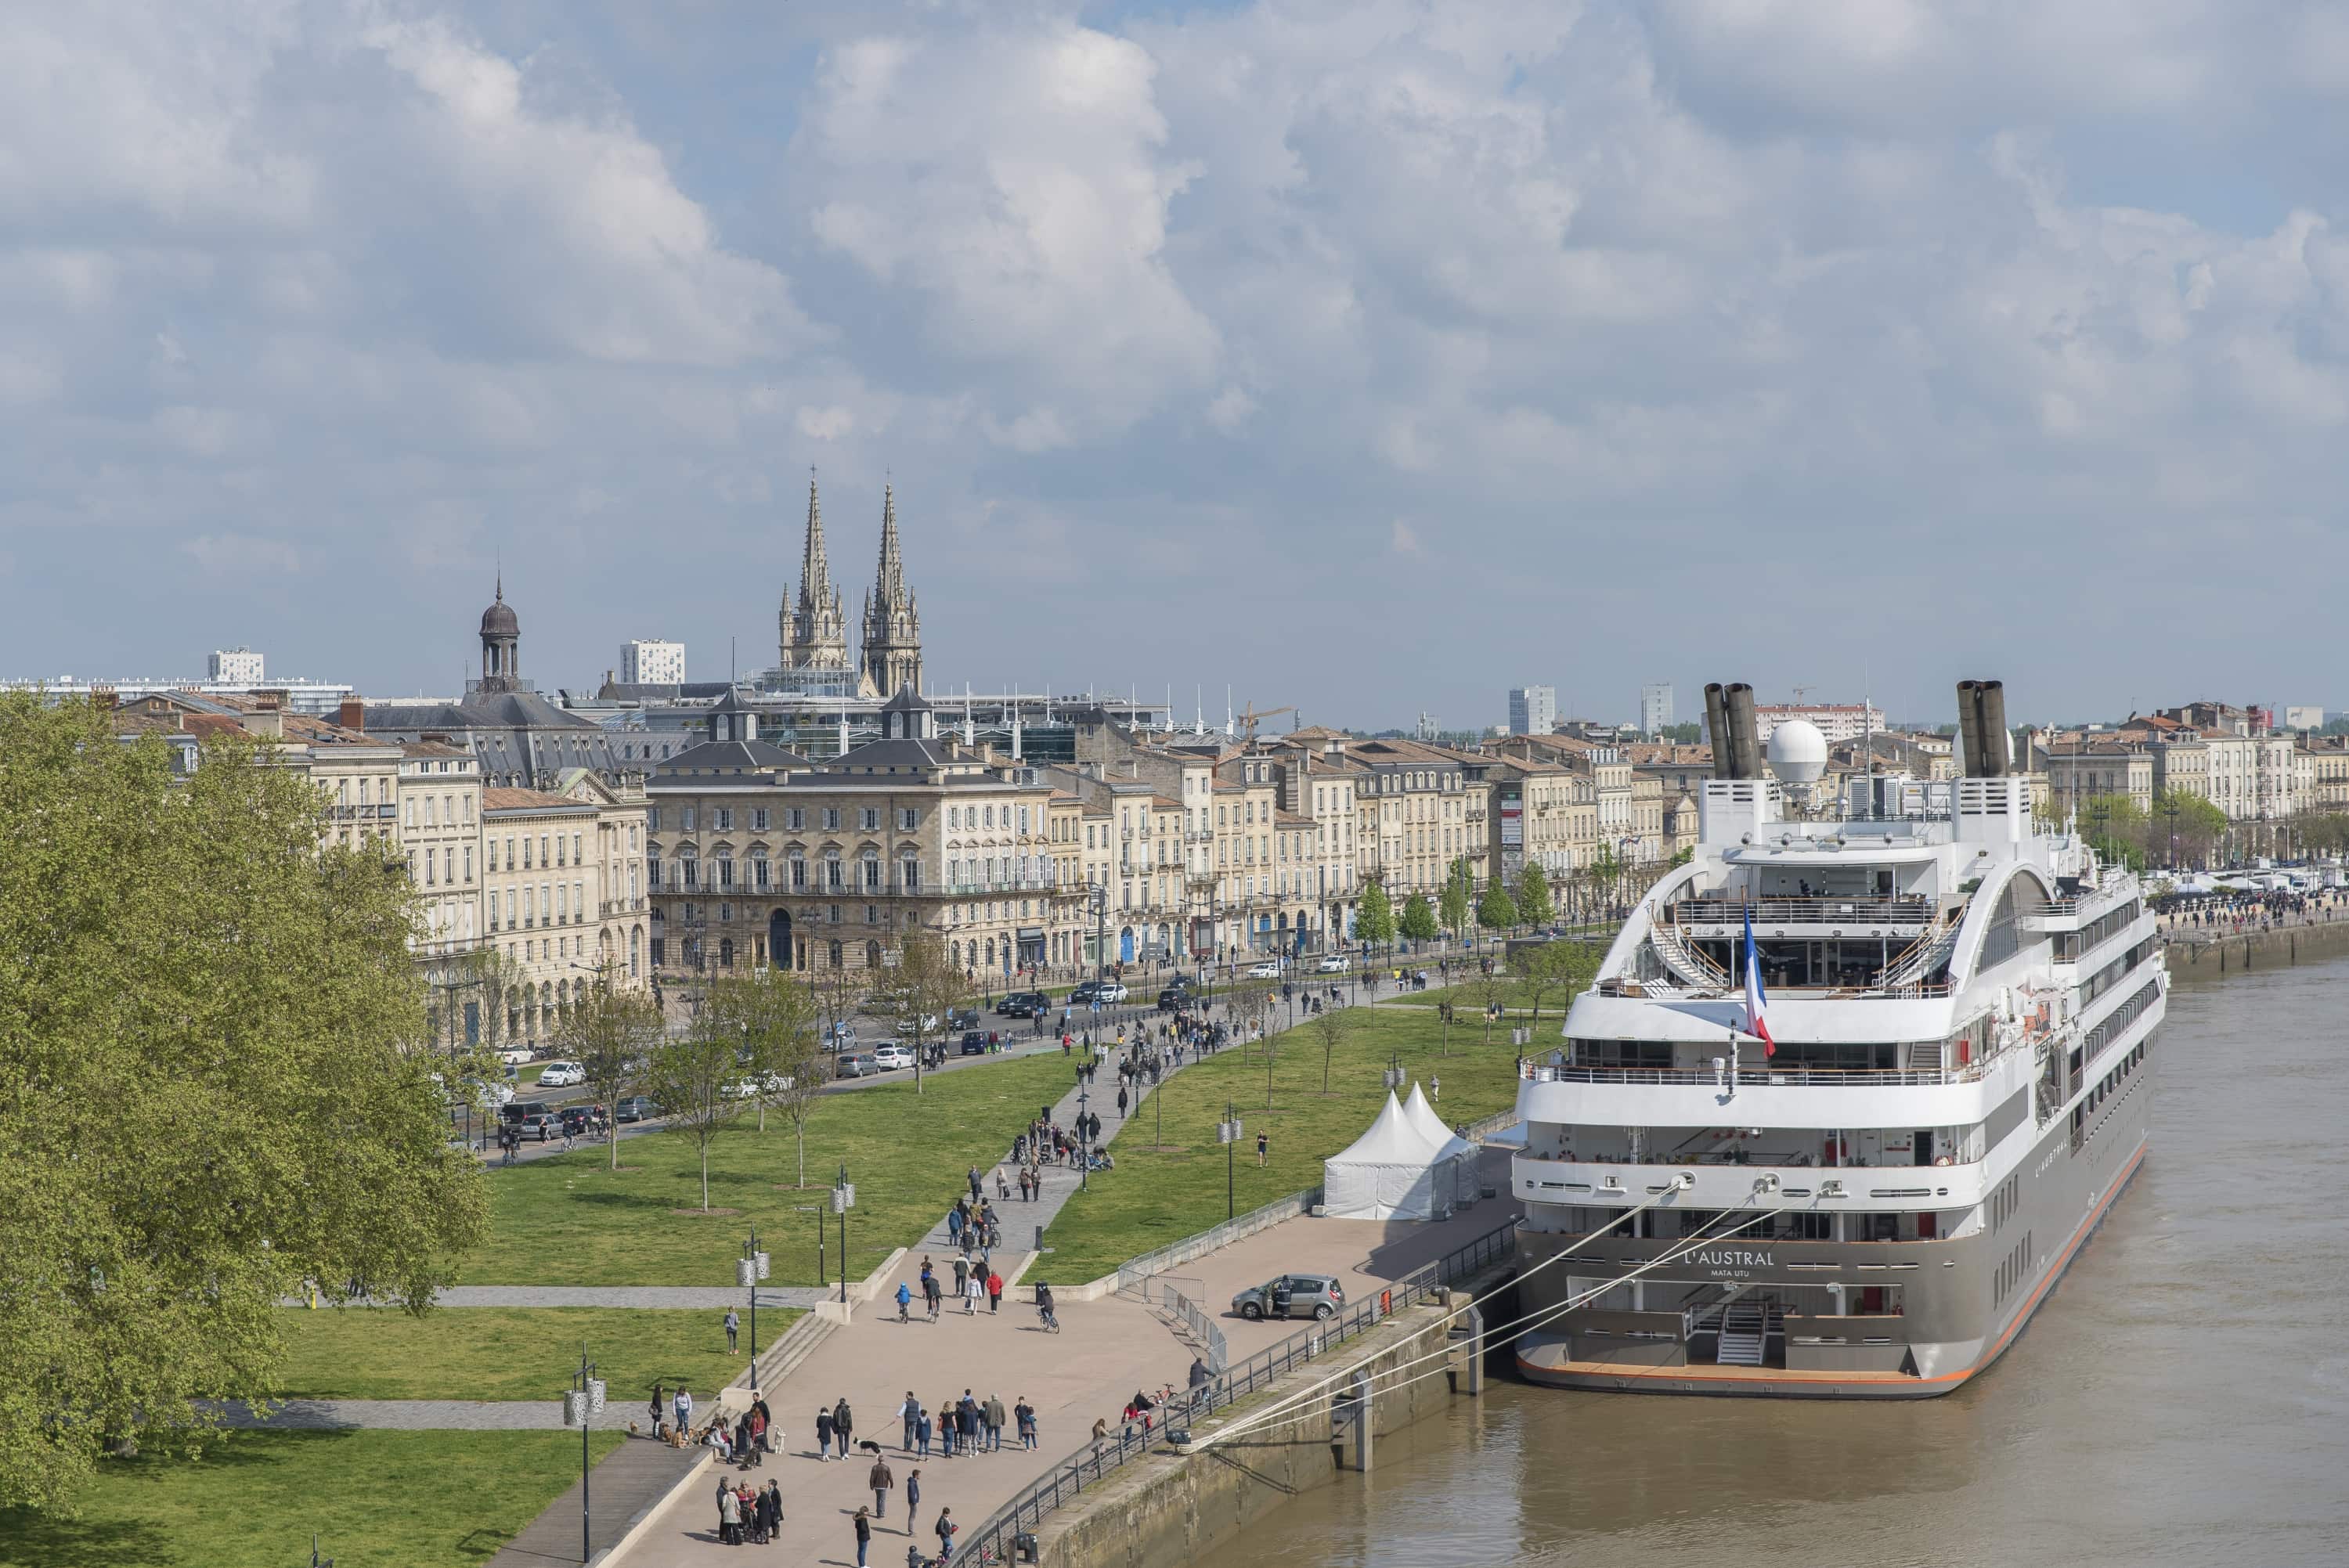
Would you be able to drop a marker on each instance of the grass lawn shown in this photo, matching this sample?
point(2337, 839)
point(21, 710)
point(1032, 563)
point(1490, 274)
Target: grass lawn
point(508, 1353)
point(377, 1500)
point(1156, 1197)
point(568, 1220)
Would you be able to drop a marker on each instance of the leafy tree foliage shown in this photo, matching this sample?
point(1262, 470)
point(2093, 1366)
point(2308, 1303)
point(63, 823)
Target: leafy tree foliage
point(917, 992)
point(1535, 905)
point(1419, 919)
point(219, 1088)
point(1452, 909)
point(610, 1032)
point(1374, 920)
point(1497, 911)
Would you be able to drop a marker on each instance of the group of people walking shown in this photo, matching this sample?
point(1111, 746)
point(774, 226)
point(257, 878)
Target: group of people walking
point(974, 1279)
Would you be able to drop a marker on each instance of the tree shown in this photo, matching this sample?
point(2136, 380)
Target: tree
point(1542, 971)
point(1490, 989)
point(1497, 911)
point(609, 1033)
point(1332, 1027)
point(777, 1016)
point(1453, 907)
point(219, 1088)
point(1374, 915)
point(1535, 905)
point(917, 992)
point(1419, 919)
point(691, 1076)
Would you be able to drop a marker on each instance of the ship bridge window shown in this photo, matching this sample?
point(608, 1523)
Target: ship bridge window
point(1622, 1053)
point(1835, 1055)
point(2071, 944)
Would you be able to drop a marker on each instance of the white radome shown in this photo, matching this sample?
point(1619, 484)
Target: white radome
point(1798, 752)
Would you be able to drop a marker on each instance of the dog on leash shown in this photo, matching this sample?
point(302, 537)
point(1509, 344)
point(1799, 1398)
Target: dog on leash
point(870, 1446)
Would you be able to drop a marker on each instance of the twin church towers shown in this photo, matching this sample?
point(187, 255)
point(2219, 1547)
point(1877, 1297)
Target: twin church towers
point(812, 634)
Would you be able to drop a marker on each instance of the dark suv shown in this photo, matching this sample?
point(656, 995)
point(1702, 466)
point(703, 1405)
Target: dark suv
point(1024, 1005)
point(1174, 999)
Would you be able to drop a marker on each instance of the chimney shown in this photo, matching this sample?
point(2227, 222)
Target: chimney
point(270, 701)
point(353, 715)
point(1716, 724)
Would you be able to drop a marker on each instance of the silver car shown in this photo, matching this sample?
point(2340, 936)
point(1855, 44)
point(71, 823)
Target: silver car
point(1292, 1295)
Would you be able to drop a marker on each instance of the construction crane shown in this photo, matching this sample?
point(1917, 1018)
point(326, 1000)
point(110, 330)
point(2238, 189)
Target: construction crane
point(1251, 715)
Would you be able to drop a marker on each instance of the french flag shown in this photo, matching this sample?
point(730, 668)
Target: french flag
point(1754, 1024)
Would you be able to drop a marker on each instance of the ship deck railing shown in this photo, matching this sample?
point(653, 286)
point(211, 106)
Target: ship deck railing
point(1616, 985)
point(1757, 1078)
point(1917, 910)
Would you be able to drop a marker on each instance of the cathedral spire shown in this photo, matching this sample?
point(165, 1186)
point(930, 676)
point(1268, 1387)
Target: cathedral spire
point(815, 571)
point(815, 635)
point(893, 627)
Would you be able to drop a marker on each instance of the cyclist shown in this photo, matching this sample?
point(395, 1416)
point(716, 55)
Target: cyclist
point(1044, 1312)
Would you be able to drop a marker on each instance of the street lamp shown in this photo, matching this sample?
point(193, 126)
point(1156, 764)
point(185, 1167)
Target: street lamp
point(748, 1273)
point(843, 1198)
point(584, 1400)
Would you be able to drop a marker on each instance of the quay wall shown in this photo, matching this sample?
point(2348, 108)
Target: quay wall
point(2207, 956)
point(1174, 1510)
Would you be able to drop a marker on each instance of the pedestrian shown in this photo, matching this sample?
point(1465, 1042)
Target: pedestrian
point(909, 1412)
point(962, 1274)
point(973, 1178)
point(904, 1299)
point(994, 1424)
point(882, 1483)
point(683, 1410)
point(913, 1498)
point(1101, 1433)
point(945, 1528)
point(864, 1534)
point(756, 1423)
point(1024, 1414)
point(660, 1409)
point(1434, 1087)
point(966, 1423)
point(772, 1503)
point(922, 1435)
point(972, 1289)
point(1263, 1148)
point(1121, 1104)
point(954, 1225)
point(733, 1322)
point(823, 1435)
point(729, 1516)
point(842, 1426)
point(994, 1291)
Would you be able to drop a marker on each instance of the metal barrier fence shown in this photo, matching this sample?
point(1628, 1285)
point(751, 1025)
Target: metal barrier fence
point(993, 1540)
point(1137, 1272)
point(1200, 1328)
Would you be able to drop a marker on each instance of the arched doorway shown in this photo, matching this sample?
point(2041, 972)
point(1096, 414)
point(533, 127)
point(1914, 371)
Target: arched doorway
point(872, 956)
point(779, 939)
point(1125, 945)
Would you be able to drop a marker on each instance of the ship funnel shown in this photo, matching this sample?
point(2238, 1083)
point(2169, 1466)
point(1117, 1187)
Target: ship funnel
point(1739, 697)
point(1716, 727)
point(1996, 741)
point(1969, 727)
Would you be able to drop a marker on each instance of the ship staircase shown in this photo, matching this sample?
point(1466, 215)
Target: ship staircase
point(1687, 964)
point(1740, 1327)
point(1926, 956)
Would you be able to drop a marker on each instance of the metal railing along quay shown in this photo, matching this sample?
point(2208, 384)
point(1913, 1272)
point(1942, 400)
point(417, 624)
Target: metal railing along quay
point(1095, 1462)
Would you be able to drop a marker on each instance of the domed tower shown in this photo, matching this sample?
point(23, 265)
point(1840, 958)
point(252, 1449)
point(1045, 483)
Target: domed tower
point(892, 621)
point(501, 645)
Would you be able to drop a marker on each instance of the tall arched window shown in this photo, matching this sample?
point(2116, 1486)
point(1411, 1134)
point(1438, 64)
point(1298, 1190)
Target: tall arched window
point(726, 953)
point(954, 953)
point(758, 867)
point(688, 868)
point(635, 951)
point(909, 872)
point(872, 873)
point(835, 956)
point(725, 872)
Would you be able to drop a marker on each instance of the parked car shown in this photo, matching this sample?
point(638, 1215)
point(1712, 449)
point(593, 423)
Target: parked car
point(750, 1088)
point(1024, 1005)
point(1173, 998)
point(1292, 1295)
point(889, 1056)
point(1269, 970)
point(1102, 991)
point(1332, 963)
point(578, 1118)
point(560, 1075)
point(857, 1063)
point(974, 1044)
point(517, 1056)
point(531, 1118)
point(962, 1018)
point(842, 1036)
point(636, 1108)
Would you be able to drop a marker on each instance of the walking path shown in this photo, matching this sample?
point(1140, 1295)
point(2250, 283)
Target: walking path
point(633, 1295)
point(402, 1415)
point(625, 1484)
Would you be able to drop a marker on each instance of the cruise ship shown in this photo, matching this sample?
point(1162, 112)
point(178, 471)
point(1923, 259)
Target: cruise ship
point(1866, 1192)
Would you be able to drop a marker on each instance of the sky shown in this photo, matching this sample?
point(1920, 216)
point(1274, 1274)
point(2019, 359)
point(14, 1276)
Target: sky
point(1365, 357)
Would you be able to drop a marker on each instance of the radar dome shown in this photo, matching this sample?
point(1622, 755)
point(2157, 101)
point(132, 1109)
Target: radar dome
point(1798, 752)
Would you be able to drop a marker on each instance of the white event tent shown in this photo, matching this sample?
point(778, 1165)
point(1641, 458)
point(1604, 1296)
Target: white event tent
point(1395, 1171)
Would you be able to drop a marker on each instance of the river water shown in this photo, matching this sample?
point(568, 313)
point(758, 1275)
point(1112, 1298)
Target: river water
point(2181, 1397)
